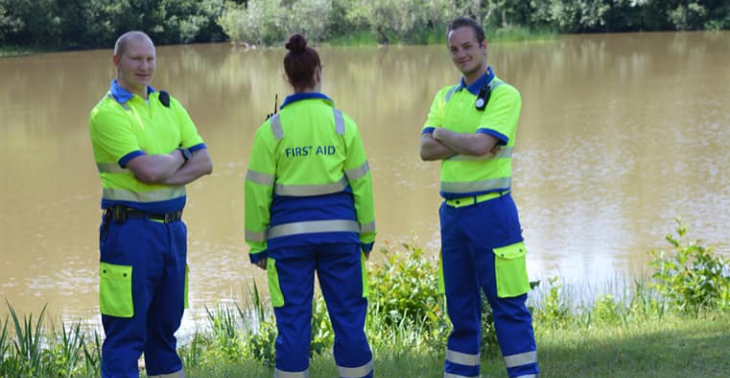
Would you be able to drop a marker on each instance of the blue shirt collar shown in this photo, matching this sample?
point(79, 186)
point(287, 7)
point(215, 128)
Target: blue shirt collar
point(304, 96)
point(122, 95)
point(477, 85)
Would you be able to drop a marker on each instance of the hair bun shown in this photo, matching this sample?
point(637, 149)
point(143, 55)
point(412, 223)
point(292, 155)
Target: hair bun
point(297, 44)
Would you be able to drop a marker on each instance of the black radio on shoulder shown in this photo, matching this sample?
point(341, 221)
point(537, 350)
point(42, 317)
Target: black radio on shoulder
point(165, 98)
point(483, 97)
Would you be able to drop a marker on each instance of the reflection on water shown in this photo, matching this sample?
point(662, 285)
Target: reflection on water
point(619, 134)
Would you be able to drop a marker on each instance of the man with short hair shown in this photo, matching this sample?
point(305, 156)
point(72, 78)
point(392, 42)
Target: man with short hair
point(146, 149)
point(471, 129)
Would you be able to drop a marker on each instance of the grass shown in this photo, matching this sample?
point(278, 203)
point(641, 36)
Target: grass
point(677, 346)
point(598, 342)
point(670, 326)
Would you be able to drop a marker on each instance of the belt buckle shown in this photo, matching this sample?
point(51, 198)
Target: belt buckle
point(169, 217)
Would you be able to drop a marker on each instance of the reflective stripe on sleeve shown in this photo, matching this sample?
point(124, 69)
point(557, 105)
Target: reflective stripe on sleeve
point(276, 126)
point(260, 178)
point(310, 190)
point(311, 227)
point(367, 227)
point(494, 84)
point(290, 374)
point(449, 94)
point(355, 372)
point(253, 236)
point(451, 375)
point(520, 359)
point(476, 186)
point(359, 172)
point(111, 168)
point(339, 122)
point(462, 358)
point(504, 152)
point(151, 196)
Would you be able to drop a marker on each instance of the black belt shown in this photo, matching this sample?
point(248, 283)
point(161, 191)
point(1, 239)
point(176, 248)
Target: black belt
point(120, 214)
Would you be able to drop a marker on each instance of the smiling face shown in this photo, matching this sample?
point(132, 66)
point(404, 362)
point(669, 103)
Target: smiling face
point(136, 65)
point(468, 54)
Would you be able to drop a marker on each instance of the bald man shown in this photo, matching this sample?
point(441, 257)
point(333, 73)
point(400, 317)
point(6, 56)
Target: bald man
point(147, 149)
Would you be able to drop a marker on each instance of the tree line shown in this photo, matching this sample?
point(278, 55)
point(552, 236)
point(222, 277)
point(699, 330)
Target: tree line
point(82, 24)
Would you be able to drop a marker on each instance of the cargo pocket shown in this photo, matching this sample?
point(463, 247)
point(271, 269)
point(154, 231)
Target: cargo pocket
point(365, 285)
point(115, 290)
point(186, 304)
point(511, 270)
point(277, 297)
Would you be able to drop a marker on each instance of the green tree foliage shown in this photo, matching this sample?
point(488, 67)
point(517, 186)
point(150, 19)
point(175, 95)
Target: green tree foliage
point(255, 22)
point(97, 23)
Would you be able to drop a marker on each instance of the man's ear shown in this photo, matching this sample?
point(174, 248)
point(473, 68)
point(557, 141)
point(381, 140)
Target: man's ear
point(115, 60)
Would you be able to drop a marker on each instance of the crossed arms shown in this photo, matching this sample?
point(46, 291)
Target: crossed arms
point(171, 169)
point(443, 144)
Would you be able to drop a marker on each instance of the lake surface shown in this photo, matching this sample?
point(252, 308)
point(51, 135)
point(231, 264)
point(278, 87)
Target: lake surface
point(619, 134)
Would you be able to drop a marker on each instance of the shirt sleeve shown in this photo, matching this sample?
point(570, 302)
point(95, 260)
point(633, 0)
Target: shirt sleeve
point(358, 175)
point(436, 113)
point(112, 133)
point(258, 191)
point(188, 132)
point(502, 114)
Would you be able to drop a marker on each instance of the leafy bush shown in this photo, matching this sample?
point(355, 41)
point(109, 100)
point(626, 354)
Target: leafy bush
point(692, 277)
point(554, 310)
point(406, 286)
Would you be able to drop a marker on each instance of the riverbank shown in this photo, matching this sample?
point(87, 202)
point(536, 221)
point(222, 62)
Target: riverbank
point(677, 324)
point(13, 51)
point(360, 38)
point(669, 347)
point(673, 345)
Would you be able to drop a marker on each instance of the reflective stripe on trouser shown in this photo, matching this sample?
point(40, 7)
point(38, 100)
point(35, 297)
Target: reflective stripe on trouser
point(450, 375)
point(468, 236)
point(461, 364)
point(339, 271)
point(291, 374)
point(356, 372)
point(177, 374)
point(156, 252)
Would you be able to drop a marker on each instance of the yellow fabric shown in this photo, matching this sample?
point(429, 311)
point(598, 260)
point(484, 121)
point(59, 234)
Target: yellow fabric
point(277, 297)
point(468, 201)
point(511, 270)
point(459, 114)
point(310, 152)
point(152, 128)
point(115, 290)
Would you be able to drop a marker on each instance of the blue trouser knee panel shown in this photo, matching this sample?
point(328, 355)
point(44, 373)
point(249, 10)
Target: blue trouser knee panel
point(157, 253)
point(339, 270)
point(468, 237)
